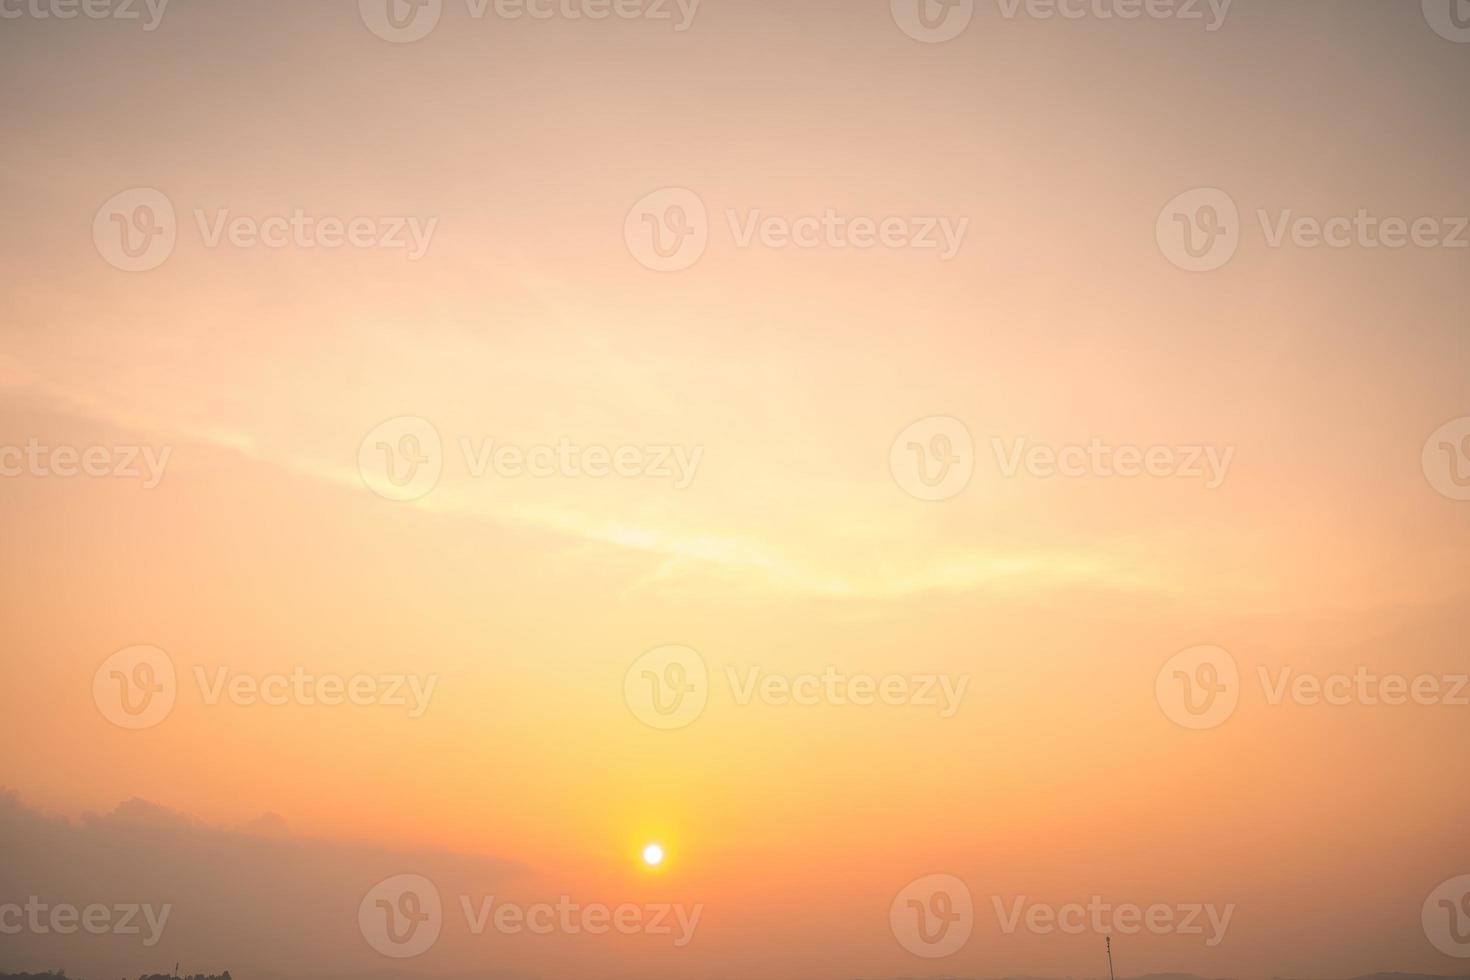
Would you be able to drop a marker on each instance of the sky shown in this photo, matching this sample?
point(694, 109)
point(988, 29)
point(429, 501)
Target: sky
point(937, 470)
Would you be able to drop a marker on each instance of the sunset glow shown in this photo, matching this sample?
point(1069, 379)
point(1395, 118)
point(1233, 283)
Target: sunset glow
point(735, 490)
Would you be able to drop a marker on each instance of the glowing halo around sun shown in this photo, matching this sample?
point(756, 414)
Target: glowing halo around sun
point(653, 855)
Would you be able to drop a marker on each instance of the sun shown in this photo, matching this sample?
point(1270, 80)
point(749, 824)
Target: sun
point(653, 855)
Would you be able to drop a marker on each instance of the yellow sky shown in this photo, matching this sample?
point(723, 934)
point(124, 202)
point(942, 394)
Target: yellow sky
point(787, 381)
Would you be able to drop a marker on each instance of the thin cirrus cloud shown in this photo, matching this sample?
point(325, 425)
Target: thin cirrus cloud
point(750, 561)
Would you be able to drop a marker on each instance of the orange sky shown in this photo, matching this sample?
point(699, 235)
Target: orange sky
point(793, 541)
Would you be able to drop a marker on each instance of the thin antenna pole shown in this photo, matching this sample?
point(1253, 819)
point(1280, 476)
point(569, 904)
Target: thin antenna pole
point(1110, 958)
